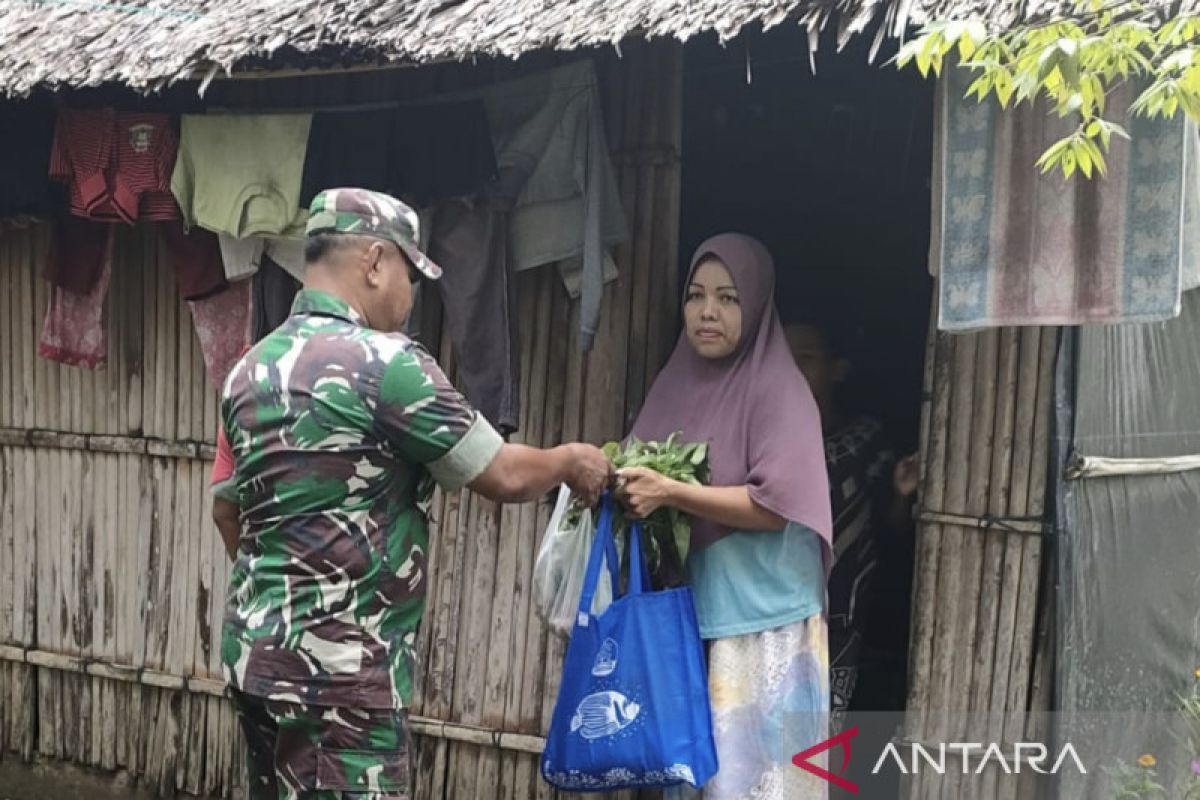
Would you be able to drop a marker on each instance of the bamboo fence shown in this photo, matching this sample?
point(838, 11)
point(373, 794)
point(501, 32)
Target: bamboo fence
point(978, 664)
point(111, 574)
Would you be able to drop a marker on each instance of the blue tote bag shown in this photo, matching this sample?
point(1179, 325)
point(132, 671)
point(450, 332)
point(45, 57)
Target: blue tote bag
point(633, 708)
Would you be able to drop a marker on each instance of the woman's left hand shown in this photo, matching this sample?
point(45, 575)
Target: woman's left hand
point(643, 491)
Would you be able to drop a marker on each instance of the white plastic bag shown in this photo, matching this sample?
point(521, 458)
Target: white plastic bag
point(559, 570)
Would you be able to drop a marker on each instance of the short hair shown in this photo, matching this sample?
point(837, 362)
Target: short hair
point(321, 246)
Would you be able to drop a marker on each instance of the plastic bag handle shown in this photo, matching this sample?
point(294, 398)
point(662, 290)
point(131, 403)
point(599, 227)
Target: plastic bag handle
point(604, 548)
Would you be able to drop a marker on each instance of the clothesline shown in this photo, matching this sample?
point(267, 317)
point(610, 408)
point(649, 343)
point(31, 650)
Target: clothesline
point(240, 180)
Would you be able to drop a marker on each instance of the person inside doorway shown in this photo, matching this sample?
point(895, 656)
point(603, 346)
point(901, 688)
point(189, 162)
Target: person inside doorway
point(871, 495)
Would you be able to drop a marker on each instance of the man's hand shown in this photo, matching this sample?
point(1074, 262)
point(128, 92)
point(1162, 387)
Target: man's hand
point(905, 479)
point(906, 476)
point(520, 474)
point(590, 474)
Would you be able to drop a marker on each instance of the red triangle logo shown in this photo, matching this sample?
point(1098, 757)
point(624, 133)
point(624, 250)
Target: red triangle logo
point(842, 740)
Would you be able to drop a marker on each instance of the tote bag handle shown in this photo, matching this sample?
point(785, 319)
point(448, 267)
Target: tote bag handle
point(604, 549)
point(639, 575)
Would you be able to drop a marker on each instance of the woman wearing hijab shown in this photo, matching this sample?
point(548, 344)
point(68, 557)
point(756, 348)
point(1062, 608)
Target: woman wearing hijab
point(761, 529)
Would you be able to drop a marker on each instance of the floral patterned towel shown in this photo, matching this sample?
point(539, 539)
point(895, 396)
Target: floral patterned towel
point(1015, 247)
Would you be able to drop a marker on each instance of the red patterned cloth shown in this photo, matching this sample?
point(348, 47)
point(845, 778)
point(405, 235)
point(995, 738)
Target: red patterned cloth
point(118, 166)
point(76, 331)
point(223, 326)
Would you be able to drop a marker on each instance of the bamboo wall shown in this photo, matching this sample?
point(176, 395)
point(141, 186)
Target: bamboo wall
point(112, 576)
point(981, 649)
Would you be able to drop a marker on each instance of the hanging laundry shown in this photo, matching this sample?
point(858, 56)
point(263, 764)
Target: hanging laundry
point(274, 290)
point(195, 257)
point(1015, 247)
point(553, 198)
point(351, 148)
point(220, 311)
point(551, 148)
point(240, 174)
point(242, 257)
point(222, 324)
point(27, 129)
point(117, 165)
point(478, 291)
point(571, 272)
point(75, 330)
point(77, 254)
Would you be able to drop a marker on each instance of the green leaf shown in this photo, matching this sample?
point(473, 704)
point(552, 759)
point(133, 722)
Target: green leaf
point(1004, 88)
point(1085, 162)
point(1069, 162)
point(966, 47)
point(980, 87)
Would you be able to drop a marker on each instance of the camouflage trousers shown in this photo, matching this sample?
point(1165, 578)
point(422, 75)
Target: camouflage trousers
point(301, 752)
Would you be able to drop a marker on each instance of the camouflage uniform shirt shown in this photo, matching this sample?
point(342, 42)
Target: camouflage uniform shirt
point(338, 433)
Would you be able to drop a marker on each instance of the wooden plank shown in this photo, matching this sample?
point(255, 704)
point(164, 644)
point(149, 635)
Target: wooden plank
point(665, 299)
point(163, 375)
point(924, 683)
point(47, 555)
point(48, 398)
point(199, 585)
point(133, 336)
point(111, 568)
point(471, 673)
point(947, 655)
point(635, 314)
point(983, 416)
point(7, 363)
point(29, 314)
point(1021, 664)
point(506, 652)
point(30, 551)
point(933, 465)
point(8, 533)
point(442, 614)
point(538, 659)
point(994, 543)
point(183, 399)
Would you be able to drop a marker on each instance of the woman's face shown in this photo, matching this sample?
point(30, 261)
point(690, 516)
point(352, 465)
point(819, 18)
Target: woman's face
point(712, 314)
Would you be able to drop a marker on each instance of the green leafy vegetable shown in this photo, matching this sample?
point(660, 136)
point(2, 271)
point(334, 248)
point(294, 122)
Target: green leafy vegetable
point(666, 532)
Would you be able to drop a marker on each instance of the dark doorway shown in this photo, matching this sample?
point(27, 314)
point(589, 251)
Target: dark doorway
point(831, 171)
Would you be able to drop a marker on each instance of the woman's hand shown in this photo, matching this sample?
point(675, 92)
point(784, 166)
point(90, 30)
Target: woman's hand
point(643, 491)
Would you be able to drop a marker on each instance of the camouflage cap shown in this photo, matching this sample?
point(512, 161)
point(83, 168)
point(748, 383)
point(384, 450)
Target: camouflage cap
point(368, 213)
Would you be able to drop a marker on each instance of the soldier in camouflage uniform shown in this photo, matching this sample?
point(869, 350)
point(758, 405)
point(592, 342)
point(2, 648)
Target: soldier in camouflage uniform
point(339, 427)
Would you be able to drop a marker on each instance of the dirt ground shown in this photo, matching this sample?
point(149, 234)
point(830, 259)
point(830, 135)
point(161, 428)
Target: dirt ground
point(56, 780)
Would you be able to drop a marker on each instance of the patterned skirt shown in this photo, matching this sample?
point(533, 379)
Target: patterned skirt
point(770, 701)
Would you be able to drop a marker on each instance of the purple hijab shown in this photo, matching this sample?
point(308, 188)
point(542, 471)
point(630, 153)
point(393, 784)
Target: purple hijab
point(753, 407)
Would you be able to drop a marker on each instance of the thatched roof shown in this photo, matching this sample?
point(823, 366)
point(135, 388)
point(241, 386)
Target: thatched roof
point(150, 43)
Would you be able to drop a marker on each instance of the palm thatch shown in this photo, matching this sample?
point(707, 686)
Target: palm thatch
point(147, 44)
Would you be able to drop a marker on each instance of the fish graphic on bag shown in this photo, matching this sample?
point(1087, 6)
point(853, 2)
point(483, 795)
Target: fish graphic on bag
point(603, 714)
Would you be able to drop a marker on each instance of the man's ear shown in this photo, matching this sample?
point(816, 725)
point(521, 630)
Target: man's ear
point(373, 264)
point(841, 369)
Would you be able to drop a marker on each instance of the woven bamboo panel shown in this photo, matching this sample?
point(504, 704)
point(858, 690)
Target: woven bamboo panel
point(111, 571)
